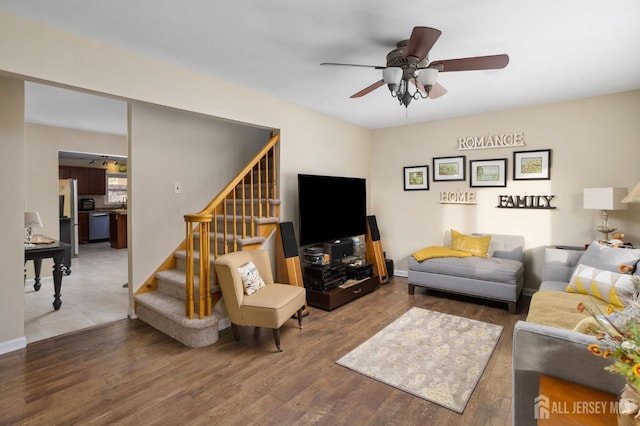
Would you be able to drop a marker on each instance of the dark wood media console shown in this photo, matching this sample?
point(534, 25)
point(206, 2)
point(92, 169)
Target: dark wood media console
point(350, 290)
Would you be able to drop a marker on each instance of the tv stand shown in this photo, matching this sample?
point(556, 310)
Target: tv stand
point(345, 293)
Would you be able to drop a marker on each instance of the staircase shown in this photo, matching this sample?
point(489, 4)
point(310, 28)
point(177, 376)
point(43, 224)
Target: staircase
point(240, 217)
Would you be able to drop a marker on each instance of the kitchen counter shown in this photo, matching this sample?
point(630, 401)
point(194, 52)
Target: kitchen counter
point(118, 228)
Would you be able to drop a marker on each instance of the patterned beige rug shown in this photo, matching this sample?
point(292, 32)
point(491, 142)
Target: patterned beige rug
point(435, 356)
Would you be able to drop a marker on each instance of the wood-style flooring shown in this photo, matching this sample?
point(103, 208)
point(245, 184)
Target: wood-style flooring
point(129, 373)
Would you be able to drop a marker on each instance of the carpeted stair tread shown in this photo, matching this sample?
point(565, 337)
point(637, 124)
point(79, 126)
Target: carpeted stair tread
point(241, 241)
point(166, 314)
point(182, 255)
point(173, 282)
point(249, 219)
point(173, 309)
point(272, 201)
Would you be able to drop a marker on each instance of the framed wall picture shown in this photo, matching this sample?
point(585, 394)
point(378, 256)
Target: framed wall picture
point(449, 168)
point(416, 178)
point(485, 173)
point(531, 165)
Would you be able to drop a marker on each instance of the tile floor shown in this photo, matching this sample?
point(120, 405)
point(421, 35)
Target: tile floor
point(92, 294)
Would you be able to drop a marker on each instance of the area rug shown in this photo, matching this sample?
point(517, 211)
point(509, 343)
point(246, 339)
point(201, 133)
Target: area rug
point(435, 356)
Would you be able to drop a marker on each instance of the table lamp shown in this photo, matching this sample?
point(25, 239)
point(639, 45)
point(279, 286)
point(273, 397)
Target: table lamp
point(31, 220)
point(604, 199)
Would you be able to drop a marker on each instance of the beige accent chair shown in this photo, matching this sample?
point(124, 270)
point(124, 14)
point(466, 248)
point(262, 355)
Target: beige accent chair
point(270, 307)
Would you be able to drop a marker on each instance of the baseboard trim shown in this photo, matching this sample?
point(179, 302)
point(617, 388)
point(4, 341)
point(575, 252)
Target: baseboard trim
point(13, 345)
point(397, 273)
point(224, 323)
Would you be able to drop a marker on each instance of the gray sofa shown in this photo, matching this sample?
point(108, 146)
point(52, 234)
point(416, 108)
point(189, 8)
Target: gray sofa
point(552, 350)
point(500, 277)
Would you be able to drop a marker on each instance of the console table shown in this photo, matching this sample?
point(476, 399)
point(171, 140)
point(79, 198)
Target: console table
point(340, 295)
point(575, 404)
point(56, 251)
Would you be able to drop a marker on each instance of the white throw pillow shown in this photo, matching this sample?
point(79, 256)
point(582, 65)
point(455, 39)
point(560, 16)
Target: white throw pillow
point(251, 278)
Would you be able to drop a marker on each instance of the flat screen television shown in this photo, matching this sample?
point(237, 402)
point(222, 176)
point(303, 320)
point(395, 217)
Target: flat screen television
point(331, 208)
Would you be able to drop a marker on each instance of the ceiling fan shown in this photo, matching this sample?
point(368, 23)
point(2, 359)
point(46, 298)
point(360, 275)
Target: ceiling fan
point(409, 64)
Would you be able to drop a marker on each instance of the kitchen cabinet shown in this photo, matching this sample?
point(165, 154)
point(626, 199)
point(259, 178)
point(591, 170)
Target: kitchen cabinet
point(118, 229)
point(96, 182)
point(83, 227)
point(79, 174)
point(63, 172)
point(91, 180)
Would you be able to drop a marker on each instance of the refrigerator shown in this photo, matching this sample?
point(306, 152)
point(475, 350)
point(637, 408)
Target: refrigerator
point(68, 198)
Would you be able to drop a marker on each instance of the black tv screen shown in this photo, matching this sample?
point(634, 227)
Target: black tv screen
point(331, 208)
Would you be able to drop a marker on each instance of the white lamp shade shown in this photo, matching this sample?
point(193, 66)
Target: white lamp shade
point(428, 76)
point(32, 220)
point(392, 75)
point(604, 198)
point(633, 196)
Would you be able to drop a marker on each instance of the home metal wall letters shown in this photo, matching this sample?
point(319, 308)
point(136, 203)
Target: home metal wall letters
point(507, 140)
point(525, 202)
point(457, 197)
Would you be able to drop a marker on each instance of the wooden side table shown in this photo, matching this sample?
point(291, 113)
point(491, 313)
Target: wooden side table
point(573, 404)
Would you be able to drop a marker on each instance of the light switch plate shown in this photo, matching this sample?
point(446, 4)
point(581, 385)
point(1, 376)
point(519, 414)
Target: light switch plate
point(177, 188)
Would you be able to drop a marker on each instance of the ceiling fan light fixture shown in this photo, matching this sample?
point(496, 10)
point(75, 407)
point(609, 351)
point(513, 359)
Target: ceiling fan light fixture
point(428, 76)
point(392, 77)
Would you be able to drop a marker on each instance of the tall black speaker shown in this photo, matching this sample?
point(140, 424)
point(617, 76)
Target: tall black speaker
point(375, 255)
point(288, 266)
point(289, 243)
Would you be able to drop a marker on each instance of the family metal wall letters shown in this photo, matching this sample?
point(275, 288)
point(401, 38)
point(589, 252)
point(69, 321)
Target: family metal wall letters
point(525, 201)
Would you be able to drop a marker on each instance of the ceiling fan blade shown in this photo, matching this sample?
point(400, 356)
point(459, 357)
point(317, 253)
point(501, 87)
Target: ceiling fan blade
point(492, 62)
point(436, 91)
point(353, 65)
point(368, 89)
point(421, 41)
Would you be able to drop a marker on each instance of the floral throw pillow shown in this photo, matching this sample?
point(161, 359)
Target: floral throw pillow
point(250, 278)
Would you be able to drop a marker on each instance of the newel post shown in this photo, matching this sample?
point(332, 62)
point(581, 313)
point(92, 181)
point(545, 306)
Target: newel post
point(204, 226)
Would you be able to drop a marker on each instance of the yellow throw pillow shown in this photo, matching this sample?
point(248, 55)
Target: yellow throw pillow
point(477, 246)
point(438, 251)
point(609, 286)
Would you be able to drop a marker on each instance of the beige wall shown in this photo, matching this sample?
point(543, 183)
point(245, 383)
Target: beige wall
point(12, 175)
point(42, 144)
point(309, 141)
point(170, 146)
point(595, 142)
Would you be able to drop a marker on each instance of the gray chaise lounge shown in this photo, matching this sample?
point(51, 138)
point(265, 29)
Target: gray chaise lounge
point(500, 277)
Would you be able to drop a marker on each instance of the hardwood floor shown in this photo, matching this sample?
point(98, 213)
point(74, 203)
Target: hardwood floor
point(129, 373)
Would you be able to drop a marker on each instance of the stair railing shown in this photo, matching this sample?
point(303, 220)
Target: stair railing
point(259, 173)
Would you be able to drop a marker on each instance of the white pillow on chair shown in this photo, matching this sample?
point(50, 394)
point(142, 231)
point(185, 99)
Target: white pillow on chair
point(251, 278)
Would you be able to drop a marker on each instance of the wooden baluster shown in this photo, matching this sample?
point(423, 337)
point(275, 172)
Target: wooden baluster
point(204, 307)
point(225, 249)
point(259, 189)
point(251, 206)
point(215, 233)
point(244, 207)
point(235, 215)
point(275, 169)
point(266, 185)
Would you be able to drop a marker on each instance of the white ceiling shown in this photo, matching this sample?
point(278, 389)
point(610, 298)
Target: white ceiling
point(559, 49)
